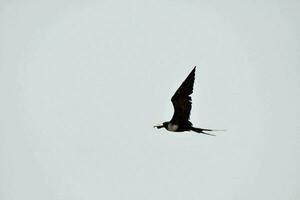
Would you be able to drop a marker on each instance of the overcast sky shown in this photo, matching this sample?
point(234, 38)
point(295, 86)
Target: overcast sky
point(83, 83)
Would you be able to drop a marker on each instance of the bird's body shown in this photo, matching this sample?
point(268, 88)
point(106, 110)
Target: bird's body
point(182, 103)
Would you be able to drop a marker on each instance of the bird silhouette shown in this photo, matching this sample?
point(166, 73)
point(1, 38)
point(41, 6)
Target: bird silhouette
point(182, 103)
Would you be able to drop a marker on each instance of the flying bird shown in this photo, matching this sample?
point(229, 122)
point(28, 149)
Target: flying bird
point(182, 103)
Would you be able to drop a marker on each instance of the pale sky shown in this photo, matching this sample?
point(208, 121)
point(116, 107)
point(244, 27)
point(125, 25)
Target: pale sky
point(83, 82)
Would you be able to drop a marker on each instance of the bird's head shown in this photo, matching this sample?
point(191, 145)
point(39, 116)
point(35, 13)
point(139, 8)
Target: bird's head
point(164, 124)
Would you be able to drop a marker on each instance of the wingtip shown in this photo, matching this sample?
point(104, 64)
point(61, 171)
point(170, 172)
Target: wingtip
point(218, 129)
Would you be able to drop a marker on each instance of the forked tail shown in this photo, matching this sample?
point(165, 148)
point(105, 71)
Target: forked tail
point(201, 130)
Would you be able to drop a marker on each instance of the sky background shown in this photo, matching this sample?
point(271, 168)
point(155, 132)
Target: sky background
point(83, 83)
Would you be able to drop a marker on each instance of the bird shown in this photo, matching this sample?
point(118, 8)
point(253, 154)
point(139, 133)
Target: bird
point(182, 103)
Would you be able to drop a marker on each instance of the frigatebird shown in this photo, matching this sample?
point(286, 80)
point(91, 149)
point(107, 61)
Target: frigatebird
point(182, 103)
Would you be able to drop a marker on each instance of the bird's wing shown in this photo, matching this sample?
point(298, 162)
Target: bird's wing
point(182, 102)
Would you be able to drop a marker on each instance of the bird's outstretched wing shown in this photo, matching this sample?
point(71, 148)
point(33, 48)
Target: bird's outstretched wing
point(182, 102)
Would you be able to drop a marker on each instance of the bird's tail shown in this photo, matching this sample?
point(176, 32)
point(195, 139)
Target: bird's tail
point(201, 130)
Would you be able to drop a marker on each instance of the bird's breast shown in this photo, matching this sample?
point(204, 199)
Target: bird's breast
point(172, 127)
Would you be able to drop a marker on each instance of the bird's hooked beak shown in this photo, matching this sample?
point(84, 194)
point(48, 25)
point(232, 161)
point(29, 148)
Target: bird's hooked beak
point(158, 126)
